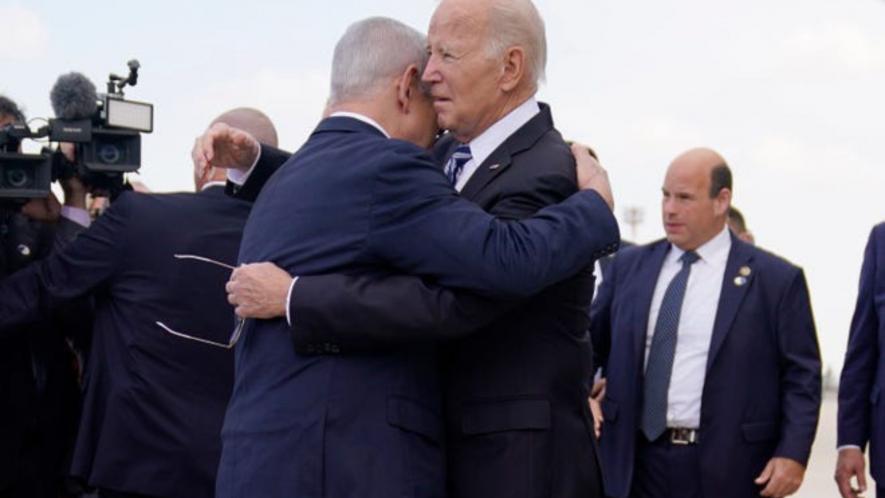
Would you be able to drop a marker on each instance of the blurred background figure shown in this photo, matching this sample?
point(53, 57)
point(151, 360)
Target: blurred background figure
point(861, 411)
point(738, 225)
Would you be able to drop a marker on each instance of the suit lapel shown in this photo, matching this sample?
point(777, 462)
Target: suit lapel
point(647, 280)
point(501, 158)
point(738, 278)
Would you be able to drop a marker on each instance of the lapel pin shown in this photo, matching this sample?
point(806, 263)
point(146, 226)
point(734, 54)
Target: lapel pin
point(495, 166)
point(745, 271)
point(739, 281)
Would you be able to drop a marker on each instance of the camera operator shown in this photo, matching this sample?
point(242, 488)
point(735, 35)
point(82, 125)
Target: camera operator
point(153, 401)
point(39, 372)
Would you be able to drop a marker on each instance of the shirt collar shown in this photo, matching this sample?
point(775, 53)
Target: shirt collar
point(714, 251)
point(360, 117)
point(482, 146)
point(209, 185)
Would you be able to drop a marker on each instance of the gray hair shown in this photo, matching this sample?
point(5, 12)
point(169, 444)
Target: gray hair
point(372, 51)
point(518, 23)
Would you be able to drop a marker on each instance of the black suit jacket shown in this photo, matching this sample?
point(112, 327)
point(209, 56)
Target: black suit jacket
point(39, 392)
point(153, 402)
point(516, 393)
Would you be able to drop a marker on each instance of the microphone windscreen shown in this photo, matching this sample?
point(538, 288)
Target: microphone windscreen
point(73, 97)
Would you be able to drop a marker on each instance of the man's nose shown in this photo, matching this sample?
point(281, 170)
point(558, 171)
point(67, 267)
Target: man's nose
point(430, 75)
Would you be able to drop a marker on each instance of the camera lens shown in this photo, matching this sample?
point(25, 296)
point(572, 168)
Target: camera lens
point(109, 154)
point(16, 178)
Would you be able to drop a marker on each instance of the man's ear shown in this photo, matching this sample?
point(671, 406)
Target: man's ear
point(723, 201)
point(406, 87)
point(513, 70)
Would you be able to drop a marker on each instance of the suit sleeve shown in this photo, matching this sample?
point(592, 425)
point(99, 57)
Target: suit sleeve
point(269, 161)
point(369, 312)
point(420, 226)
point(800, 372)
point(76, 270)
point(861, 358)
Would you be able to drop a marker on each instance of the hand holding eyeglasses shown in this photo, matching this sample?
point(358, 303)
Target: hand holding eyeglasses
point(259, 290)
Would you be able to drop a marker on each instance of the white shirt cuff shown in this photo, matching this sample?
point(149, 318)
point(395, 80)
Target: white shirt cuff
point(289, 300)
point(848, 446)
point(78, 215)
point(238, 177)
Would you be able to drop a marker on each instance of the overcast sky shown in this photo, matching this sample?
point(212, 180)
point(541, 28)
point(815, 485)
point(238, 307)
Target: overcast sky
point(790, 92)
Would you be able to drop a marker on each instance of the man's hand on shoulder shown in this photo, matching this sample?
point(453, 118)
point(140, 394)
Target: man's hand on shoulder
point(259, 290)
point(591, 175)
point(223, 146)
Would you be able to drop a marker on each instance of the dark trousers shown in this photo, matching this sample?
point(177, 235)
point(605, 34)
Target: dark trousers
point(108, 493)
point(666, 470)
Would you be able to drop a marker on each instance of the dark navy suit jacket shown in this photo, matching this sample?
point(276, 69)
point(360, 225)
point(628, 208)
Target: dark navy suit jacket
point(518, 388)
point(153, 403)
point(39, 390)
point(762, 390)
point(369, 425)
point(861, 410)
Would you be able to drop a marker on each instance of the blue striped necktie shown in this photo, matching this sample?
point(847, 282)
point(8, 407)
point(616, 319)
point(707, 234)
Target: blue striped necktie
point(456, 163)
point(662, 351)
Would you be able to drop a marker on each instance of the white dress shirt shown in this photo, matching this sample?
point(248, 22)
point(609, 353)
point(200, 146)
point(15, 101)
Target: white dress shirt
point(695, 326)
point(482, 146)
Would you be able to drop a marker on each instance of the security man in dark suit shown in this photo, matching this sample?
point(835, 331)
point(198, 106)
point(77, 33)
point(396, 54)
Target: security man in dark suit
point(368, 425)
point(710, 353)
point(153, 399)
point(861, 411)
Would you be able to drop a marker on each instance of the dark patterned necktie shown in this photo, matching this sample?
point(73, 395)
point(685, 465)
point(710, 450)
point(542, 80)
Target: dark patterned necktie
point(662, 351)
point(456, 163)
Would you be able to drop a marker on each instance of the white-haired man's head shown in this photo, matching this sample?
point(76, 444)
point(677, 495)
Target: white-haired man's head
point(486, 58)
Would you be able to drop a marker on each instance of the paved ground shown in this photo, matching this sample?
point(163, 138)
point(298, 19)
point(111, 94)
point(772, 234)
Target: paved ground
point(819, 477)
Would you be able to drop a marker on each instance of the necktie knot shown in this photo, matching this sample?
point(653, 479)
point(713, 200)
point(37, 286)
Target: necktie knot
point(456, 163)
point(688, 258)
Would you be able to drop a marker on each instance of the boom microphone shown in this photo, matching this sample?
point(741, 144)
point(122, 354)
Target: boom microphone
point(73, 97)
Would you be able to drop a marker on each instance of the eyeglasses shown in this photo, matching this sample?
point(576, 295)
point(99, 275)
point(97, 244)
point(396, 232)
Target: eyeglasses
point(240, 324)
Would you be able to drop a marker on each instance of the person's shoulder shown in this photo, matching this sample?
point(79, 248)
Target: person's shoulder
point(400, 154)
point(771, 263)
point(628, 257)
point(878, 233)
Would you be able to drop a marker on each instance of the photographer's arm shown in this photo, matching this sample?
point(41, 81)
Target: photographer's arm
point(75, 271)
